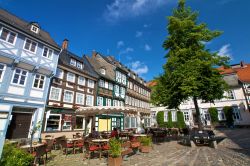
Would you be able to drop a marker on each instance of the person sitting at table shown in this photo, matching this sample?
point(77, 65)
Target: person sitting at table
point(114, 133)
point(95, 134)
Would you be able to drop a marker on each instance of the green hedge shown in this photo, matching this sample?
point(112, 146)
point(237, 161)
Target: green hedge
point(228, 110)
point(213, 114)
point(160, 119)
point(180, 120)
point(13, 156)
point(170, 123)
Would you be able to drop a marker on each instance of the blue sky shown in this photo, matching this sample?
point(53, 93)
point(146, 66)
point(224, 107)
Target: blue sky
point(134, 30)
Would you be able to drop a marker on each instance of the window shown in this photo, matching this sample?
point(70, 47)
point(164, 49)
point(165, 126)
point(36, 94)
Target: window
point(68, 96)
point(53, 122)
point(80, 98)
point(124, 79)
point(81, 80)
point(133, 122)
point(174, 116)
point(109, 102)
point(55, 94)
point(186, 116)
point(91, 83)
point(30, 45)
point(67, 122)
point(221, 115)
point(147, 122)
point(48, 53)
point(72, 62)
point(110, 86)
point(59, 73)
point(79, 65)
point(89, 100)
point(236, 114)
point(103, 71)
point(19, 77)
point(116, 90)
point(100, 101)
point(122, 92)
point(165, 116)
point(34, 29)
point(106, 85)
point(2, 70)
point(39, 81)
point(230, 95)
point(70, 77)
point(101, 83)
point(79, 123)
point(8, 36)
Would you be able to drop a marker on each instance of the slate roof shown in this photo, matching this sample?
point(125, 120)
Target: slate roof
point(97, 61)
point(24, 26)
point(64, 59)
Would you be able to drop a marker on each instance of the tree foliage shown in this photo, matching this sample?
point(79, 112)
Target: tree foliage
point(228, 110)
point(213, 114)
point(190, 68)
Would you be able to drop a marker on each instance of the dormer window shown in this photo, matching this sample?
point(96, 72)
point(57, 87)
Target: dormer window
point(72, 62)
point(103, 71)
point(34, 29)
point(79, 65)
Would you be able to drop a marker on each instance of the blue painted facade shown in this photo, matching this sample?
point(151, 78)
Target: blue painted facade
point(26, 92)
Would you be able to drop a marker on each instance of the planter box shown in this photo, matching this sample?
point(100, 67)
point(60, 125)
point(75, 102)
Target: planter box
point(145, 149)
point(115, 161)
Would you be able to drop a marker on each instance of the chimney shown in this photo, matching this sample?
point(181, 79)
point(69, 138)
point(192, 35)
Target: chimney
point(242, 64)
point(94, 53)
point(65, 44)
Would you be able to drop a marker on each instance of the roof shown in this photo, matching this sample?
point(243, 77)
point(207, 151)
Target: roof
point(97, 61)
point(151, 83)
point(242, 71)
point(24, 26)
point(64, 59)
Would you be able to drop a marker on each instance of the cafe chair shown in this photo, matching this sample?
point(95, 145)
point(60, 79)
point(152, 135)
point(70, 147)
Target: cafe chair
point(66, 146)
point(79, 144)
point(91, 148)
point(49, 147)
point(39, 154)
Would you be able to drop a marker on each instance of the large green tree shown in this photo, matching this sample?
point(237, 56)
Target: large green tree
point(190, 68)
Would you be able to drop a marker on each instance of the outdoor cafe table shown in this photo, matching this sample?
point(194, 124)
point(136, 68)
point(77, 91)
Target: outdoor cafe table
point(100, 141)
point(33, 146)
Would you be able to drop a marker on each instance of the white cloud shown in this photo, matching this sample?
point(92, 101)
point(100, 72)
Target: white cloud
point(147, 47)
point(139, 67)
point(138, 34)
point(120, 9)
point(120, 44)
point(145, 25)
point(225, 51)
point(126, 51)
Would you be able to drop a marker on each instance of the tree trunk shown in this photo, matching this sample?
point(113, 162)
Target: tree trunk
point(200, 125)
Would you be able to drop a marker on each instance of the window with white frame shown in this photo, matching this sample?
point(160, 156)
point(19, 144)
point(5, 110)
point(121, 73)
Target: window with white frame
point(72, 62)
point(34, 29)
point(8, 36)
point(19, 77)
point(53, 122)
point(67, 122)
point(230, 94)
point(174, 116)
point(127, 122)
point(101, 83)
point(109, 102)
point(103, 71)
point(186, 116)
point(55, 93)
point(59, 73)
point(70, 77)
point(236, 113)
point(81, 80)
point(80, 98)
point(89, 100)
point(99, 101)
point(124, 79)
point(30, 45)
point(2, 71)
point(117, 90)
point(68, 96)
point(39, 81)
point(221, 115)
point(165, 116)
point(106, 85)
point(133, 122)
point(121, 103)
point(79, 122)
point(79, 65)
point(122, 92)
point(110, 86)
point(126, 100)
point(147, 122)
point(48, 53)
point(91, 83)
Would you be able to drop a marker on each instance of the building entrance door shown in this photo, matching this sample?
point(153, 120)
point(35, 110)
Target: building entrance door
point(19, 126)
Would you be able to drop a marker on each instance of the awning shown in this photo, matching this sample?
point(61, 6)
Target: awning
point(105, 110)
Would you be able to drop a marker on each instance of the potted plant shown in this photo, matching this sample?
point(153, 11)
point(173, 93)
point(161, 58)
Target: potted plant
point(33, 131)
point(146, 143)
point(115, 151)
